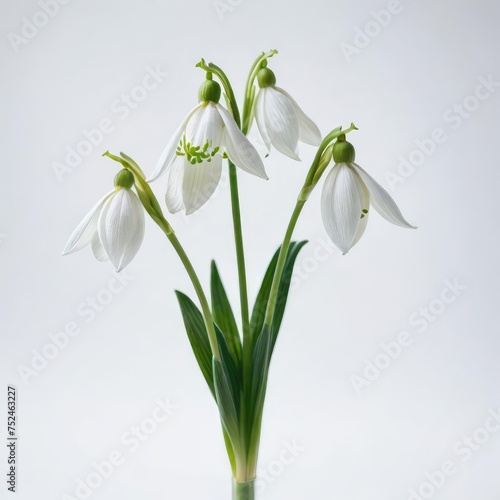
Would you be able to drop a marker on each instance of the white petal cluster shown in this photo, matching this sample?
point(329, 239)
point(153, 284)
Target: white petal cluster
point(347, 195)
point(193, 157)
point(114, 227)
point(280, 120)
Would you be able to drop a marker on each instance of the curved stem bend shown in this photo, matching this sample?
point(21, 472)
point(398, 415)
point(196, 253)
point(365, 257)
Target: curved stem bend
point(152, 207)
point(318, 166)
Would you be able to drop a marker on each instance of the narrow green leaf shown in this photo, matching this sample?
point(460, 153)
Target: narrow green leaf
point(224, 398)
point(284, 288)
point(223, 314)
point(265, 337)
point(260, 306)
point(260, 369)
point(230, 451)
point(198, 337)
point(260, 366)
point(259, 310)
point(231, 370)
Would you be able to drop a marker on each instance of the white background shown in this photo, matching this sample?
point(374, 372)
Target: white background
point(374, 443)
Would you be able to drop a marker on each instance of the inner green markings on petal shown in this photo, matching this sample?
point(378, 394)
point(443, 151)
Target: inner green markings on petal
point(196, 154)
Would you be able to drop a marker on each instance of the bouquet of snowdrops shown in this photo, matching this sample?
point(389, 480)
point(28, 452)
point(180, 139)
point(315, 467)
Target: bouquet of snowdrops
point(234, 356)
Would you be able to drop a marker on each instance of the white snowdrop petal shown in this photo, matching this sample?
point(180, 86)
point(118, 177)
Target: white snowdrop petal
point(173, 197)
point(341, 205)
point(193, 122)
point(308, 130)
point(282, 124)
point(382, 200)
point(238, 148)
point(97, 248)
point(199, 183)
point(260, 119)
point(82, 235)
point(365, 210)
point(207, 128)
point(169, 153)
point(121, 227)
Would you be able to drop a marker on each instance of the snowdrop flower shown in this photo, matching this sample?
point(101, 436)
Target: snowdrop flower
point(114, 226)
point(280, 120)
point(347, 195)
point(193, 157)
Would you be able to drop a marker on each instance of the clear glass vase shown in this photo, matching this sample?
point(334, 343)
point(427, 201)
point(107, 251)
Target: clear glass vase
point(244, 491)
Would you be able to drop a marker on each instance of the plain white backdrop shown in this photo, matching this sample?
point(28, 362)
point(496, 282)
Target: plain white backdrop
point(363, 432)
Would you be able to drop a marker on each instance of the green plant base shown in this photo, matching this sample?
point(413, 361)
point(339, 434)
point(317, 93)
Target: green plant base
point(244, 491)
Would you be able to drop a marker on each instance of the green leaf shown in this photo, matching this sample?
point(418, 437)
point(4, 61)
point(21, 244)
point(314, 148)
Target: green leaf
point(225, 401)
point(284, 288)
point(232, 371)
point(260, 366)
point(223, 314)
point(230, 451)
point(198, 337)
point(261, 357)
point(265, 337)
point(259, 309)
point(260, 306)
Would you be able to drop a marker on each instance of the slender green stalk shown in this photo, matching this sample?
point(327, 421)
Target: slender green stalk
point(152, 207)
point(235, 203)
point(245, 319)
point(250, 89)
point(318, 166)
point(207, 314)
point(240, 252)
point(281, 262)
point(229, 94)
point(241, 457)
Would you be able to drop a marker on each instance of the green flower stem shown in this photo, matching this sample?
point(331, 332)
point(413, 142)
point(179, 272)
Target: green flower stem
point(207, 314)
point(235, 201)
point(240, 257)
point(281, 262)
point(244, 491)
point(318, 166)
point(245, 411)
point(245, 320)
point(250, 89)
point(152, 207)
point(228, 90)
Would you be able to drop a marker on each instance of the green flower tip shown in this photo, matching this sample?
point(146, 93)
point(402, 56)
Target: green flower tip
point(266, 78)
point(124, 179)
point(343, 151)
point(209, 91)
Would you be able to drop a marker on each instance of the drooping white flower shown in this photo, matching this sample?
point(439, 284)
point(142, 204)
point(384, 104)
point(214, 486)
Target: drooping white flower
point(193, 157)
point(347, 195)
point(114, 226)
point(280, 120)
